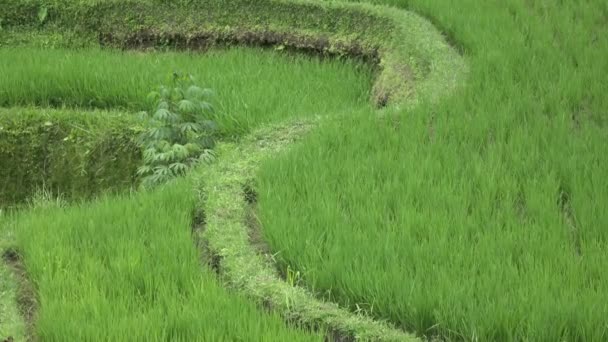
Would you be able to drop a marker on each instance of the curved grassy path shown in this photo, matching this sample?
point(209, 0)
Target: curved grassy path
point(228, 236)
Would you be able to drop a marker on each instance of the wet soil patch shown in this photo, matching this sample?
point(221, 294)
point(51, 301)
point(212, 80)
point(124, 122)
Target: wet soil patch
point(255, 233)
point(27, 301)
point(207, 256)
point(253, 224)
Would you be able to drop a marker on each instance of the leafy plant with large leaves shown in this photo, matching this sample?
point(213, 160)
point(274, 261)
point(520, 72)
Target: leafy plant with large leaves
point(181, 132)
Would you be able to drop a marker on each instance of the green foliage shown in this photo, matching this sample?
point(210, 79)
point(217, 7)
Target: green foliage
point(181, 135)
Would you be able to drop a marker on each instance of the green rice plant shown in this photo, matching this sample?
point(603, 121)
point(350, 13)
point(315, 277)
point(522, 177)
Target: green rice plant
point(126, 268)
point(180, 135)
point(252, 86)
point(479, 250)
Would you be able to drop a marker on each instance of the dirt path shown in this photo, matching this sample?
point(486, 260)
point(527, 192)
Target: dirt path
point(18, 303)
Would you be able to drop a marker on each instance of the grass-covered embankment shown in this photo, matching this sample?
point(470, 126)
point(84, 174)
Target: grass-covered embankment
point(480, 218)
point(69, 153)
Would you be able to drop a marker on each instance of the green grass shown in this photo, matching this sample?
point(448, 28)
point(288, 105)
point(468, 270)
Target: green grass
point(482, 218)
point(127, 266)
point(251, 86)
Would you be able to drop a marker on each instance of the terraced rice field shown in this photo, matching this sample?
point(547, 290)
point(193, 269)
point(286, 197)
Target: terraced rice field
point(426, 170)
point(101, 264)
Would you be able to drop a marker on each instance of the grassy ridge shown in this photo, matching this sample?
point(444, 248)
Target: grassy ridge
point(127, 266)
point(70, 153)
point(482, 217)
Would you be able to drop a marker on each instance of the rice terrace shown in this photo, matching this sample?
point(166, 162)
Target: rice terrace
point(303, 170)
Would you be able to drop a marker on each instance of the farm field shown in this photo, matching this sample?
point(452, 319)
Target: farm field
point(448, 183)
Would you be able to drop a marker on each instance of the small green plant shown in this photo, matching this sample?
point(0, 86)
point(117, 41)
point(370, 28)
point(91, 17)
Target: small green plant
point(293, 277)
point(181, 134)
point(43, 12)
point(45, 198)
